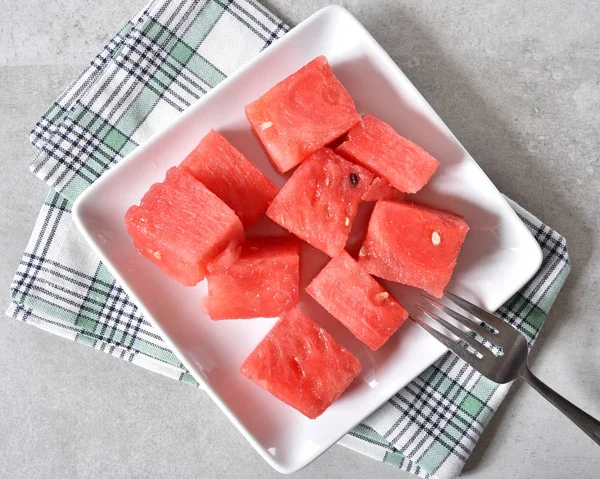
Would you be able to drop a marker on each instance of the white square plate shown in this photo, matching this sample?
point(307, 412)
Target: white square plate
point(498, 258)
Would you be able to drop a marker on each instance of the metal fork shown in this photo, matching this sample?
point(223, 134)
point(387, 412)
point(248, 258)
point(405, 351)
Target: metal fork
point(510, 365)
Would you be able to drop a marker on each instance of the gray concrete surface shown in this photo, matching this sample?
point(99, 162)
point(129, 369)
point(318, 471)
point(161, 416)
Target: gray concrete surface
point(519, 84)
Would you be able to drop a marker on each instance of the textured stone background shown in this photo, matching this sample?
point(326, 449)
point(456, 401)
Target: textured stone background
point(518, 82)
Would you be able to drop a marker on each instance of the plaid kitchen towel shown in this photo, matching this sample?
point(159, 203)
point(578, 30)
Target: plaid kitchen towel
point(167, 56)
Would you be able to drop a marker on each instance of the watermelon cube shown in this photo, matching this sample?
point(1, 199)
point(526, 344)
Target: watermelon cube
point(301, 114)
point(413, 244)
point(231, 176)
point(263, 282)
point(300, 364)
point(380, 189)
point(376, 145)
point(184, 228)
point(320, 201)
point(353, 297)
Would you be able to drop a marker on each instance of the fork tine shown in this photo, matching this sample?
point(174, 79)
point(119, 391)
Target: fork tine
point(489, 335)
point(450, 344)
point(472, 342)
point(486, 317)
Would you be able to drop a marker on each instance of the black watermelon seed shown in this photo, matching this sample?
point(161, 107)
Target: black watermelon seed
point(354, 179)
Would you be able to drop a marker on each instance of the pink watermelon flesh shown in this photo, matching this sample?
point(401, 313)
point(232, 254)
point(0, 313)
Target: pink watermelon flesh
point(216, 225)
point(301, 364)
point(375, 145)
point(184, 228)
point(301, 114)
point(413, 244)
point(171, 248)
point(229, 174)
point(353, 297)
point(263, 282)
point(319, 202)
point(380, 189)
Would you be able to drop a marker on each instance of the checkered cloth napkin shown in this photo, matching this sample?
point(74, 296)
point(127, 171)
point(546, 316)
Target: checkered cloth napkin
point(166, 57)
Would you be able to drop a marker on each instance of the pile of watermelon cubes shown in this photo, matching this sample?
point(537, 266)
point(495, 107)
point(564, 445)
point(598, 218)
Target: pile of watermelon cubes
point(192, 226)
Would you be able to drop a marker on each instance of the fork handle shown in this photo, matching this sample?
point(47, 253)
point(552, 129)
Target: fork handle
point(586, 423)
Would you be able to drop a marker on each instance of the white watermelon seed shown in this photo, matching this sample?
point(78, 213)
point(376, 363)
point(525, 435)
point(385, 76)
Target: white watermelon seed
point(326, 181)
point(362, 252)
point(435, 238)
point(157, 255)
point(266, 124)
point(382, 296)
point(347, 222)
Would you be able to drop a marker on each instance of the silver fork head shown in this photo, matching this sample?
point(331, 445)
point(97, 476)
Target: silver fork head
point(499, 368)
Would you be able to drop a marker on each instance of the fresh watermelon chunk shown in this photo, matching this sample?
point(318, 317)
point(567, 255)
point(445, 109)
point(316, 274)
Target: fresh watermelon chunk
point(300, 364)
point(301, 114)
point(319, 202)
point(380, 189)
point(376, 145)
point(229, 174)
point(263, 282)
point(184, 228)
point(413, 244)
point(353, 297)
